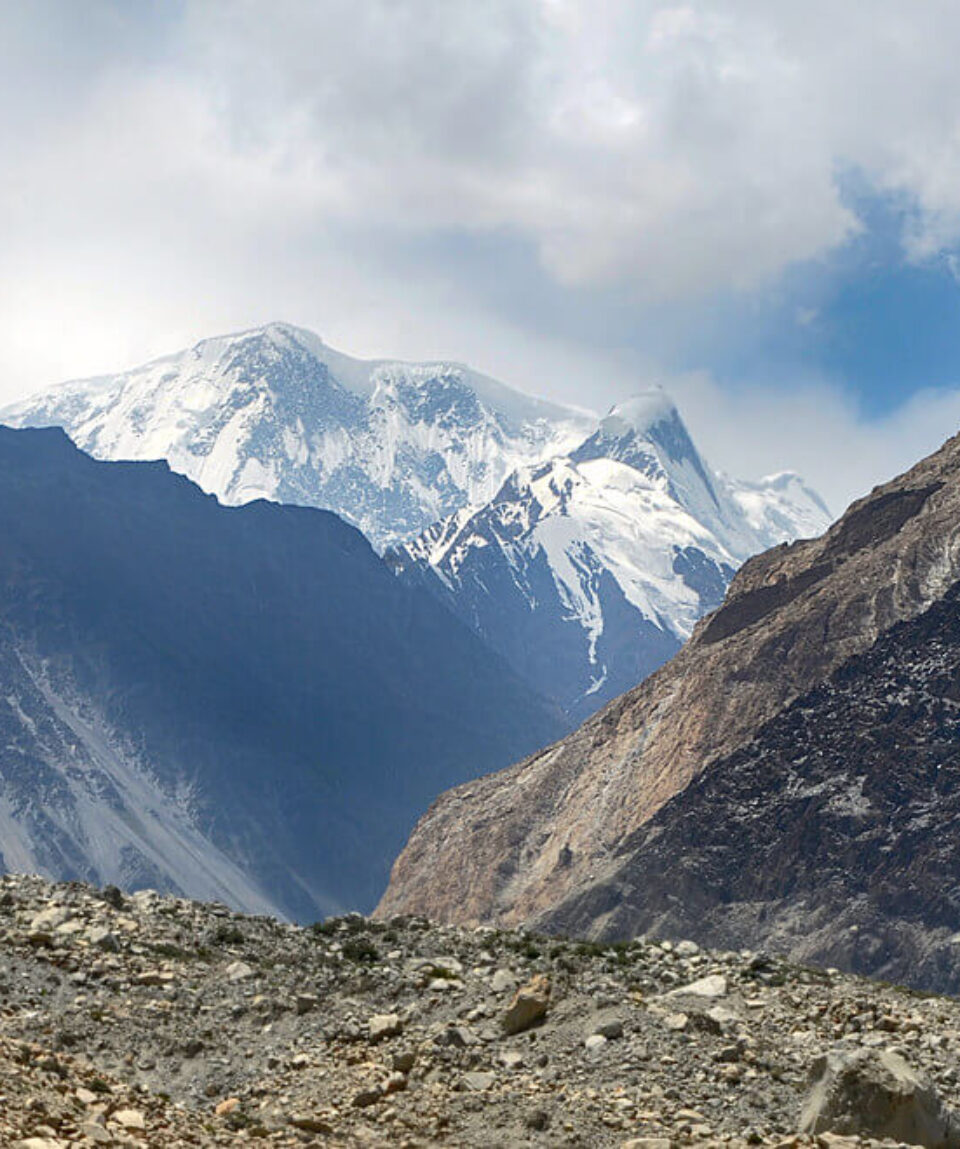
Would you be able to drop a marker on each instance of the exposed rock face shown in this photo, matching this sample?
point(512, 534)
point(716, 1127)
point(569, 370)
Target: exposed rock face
point(832, 836)
point(515, 845)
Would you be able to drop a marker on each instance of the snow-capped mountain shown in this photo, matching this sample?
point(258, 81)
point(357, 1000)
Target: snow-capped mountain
point(274, 413)
point(588, 571)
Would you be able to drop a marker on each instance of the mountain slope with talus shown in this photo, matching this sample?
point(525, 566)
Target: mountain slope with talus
point(590, 570)
point(275, 413)
point(239, 703)
point(514, 846)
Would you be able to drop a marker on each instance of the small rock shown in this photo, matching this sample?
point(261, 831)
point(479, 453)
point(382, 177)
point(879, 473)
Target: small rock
point(228, 1105)
point(395, 1083)
point(96, 1133)
point(305, 1003)
point(238, 971)
point(595, 1042)
point(365, 1098)
point(129, 1118)
point(478, 1082)
point(383, 1025)
point(713, 986)
point(309, 1123)
point(502, 980)
point(529, 1006)
point(103, 939)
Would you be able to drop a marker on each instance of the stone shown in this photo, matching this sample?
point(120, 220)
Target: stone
point(129, 1118)
point(529, 1005)
point(228, 1105)
point(383, 1025)
point(478, 1082)
point(49, 919)
point(876, 1094)
point(595, 1042)
point(395, 1083)
point(238, 971)
point(404, 1060)
point(309, 1123)
point(836, 1141)
point(305, 1003)
point(713, 986)
point(96, 1133)
point(502, 980)
point(647, 1143)
point(366, 1097)
point(611, 1030)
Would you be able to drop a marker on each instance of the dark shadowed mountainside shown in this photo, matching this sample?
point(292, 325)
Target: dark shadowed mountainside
point(233, 702)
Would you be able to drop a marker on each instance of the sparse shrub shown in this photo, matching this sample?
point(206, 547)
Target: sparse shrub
point(228, 935)
point(360, 950)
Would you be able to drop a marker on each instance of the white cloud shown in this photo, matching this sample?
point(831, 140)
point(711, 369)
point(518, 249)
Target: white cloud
point(172, 170)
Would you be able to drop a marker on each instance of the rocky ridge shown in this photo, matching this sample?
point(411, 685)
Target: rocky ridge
point(514, 845)
point(162, 1022)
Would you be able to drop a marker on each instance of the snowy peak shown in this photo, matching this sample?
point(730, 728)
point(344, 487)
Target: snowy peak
point(587, 571)
point(648, 434)
point(275, 413)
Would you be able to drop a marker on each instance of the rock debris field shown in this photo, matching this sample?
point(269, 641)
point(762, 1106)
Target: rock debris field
point(155, 1021)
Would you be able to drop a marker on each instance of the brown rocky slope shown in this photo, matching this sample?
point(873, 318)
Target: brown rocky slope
point(513, 845)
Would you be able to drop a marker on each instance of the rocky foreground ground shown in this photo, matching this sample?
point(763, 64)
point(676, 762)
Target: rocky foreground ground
point(155, 1021)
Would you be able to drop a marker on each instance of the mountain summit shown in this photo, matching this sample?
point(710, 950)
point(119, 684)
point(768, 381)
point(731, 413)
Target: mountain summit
point(589, 570)
point(275, 413)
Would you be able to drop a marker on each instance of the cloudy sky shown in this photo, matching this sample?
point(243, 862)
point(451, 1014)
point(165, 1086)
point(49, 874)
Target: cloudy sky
point(754, 202)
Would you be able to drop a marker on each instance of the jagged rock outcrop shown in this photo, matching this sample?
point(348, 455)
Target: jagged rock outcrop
point(516, 845)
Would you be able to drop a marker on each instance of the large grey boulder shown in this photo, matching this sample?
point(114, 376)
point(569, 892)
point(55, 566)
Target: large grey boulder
point(876, 1094)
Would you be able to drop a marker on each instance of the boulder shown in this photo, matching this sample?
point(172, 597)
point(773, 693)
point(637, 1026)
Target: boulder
point(875, 1093)
point(529, 1006)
